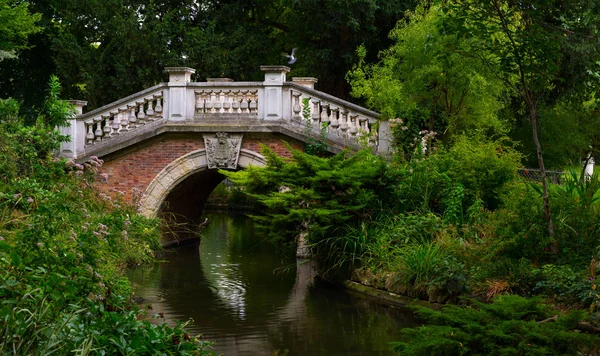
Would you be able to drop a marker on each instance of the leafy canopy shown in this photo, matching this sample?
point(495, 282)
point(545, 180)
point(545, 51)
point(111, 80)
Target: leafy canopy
point(16, 24)
point(424, 79)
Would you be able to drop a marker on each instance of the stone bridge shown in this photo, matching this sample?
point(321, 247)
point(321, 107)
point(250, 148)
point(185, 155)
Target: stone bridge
point(162, 146)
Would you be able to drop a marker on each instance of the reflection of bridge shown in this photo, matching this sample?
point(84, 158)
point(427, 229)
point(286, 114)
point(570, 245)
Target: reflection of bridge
point(165, 143)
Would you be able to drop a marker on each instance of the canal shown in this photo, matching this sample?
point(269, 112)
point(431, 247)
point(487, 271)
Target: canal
point(252, 300)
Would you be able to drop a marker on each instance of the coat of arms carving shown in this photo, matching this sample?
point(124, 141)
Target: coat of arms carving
point(222, 149)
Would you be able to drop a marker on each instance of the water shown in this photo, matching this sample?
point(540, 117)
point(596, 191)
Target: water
point(251, 300)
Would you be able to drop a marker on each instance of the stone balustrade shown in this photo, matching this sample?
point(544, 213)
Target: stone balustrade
point(226, 101)
point(338, 118)
point(124, 118)
point(275, 102)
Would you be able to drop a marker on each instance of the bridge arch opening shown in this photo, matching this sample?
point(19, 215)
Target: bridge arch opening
point(179, 192)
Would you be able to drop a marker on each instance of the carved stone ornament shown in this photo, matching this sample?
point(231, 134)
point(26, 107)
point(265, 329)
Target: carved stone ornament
point(222, 150)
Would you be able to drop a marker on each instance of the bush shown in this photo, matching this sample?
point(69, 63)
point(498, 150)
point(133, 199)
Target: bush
point(62, 250)
point(511, 325)
point(329, 196)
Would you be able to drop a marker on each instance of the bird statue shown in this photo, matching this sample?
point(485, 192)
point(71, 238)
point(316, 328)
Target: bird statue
point(291, 56)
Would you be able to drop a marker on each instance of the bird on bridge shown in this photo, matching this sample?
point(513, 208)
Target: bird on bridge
point(291, 56)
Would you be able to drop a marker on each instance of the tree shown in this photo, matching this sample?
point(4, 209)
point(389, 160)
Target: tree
point(538, 48)
point(120, 47)
point(425, 80)
point(327, 33)
point(16, 24)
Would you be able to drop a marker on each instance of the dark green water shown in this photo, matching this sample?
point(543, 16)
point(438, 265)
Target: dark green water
point(251, 300)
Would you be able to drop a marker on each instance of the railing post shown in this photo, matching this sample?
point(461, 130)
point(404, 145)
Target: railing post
point(76, 131)
point(386, 139)
point(308, 82)
point(177, 109)
point(273, 97)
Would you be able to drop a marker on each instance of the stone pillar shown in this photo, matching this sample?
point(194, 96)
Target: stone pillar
point(76, 131)
point(273, 95)
point(177, 109)
point(386, 139)
point(308, 82)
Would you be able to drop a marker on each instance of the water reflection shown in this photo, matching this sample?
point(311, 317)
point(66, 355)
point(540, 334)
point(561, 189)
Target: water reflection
point(227, 284)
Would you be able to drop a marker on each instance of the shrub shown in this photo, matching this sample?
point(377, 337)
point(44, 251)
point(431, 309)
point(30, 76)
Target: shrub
point(511, 325)
point(329, 196)
point(62, 250)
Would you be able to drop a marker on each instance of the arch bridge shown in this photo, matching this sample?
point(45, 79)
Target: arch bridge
point(162, 146)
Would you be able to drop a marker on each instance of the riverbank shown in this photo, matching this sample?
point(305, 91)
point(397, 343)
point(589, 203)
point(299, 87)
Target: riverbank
point(384, 296)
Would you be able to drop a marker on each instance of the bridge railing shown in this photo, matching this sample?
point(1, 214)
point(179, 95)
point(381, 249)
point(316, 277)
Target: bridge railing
point(295, 105)
point(102, 126)
point(340, 119)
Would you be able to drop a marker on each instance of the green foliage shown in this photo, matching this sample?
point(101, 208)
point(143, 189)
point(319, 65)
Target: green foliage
point(426, 81)
point(509, 326)
point(122, 47)
point(481, 167)
point(313, 146)
point(16, 24)
point(62, 250)
point(577, 219)
point(469, 174)
point(564, 285)
point(329, 195)
point(419, 265)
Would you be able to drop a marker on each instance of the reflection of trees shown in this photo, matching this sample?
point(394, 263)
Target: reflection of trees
point(238, 301)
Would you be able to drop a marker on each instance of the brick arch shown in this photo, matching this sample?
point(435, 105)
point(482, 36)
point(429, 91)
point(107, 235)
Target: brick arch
point(182, 168)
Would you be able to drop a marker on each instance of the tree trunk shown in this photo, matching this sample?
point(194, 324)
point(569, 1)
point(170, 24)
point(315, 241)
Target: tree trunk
point(538, 149)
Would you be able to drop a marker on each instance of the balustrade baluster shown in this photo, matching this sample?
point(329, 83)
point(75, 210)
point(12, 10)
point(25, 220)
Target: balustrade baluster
point(324, 117)
point(334, 124)
point(90, 133)
point(123, 119)
point(116, 126)
point(344, 124)
point(141, 115)
point(235, 105)
point(296, 109)
point(226, 101)
point(210, 102)
point(150, 111)
point(199, 104)
point(316, 115)
point(353, 124)
point(107, 129)
point(98, 132)
point(158, 109)
point(132, 119)
point(218, 103)
point(253, 102)
point(244, 103)
point(373, 139)
point(205, 102)
point(363, 127)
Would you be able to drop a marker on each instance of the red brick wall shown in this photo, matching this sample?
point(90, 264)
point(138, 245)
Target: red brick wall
point(137, 167)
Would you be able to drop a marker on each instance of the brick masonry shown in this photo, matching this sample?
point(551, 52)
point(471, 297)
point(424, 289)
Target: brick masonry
point(136, 167)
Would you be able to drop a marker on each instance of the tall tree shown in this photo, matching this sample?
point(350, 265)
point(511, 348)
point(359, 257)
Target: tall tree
point(108, 49)
point(539, 48)
point(425, 80)
point(16, 24)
